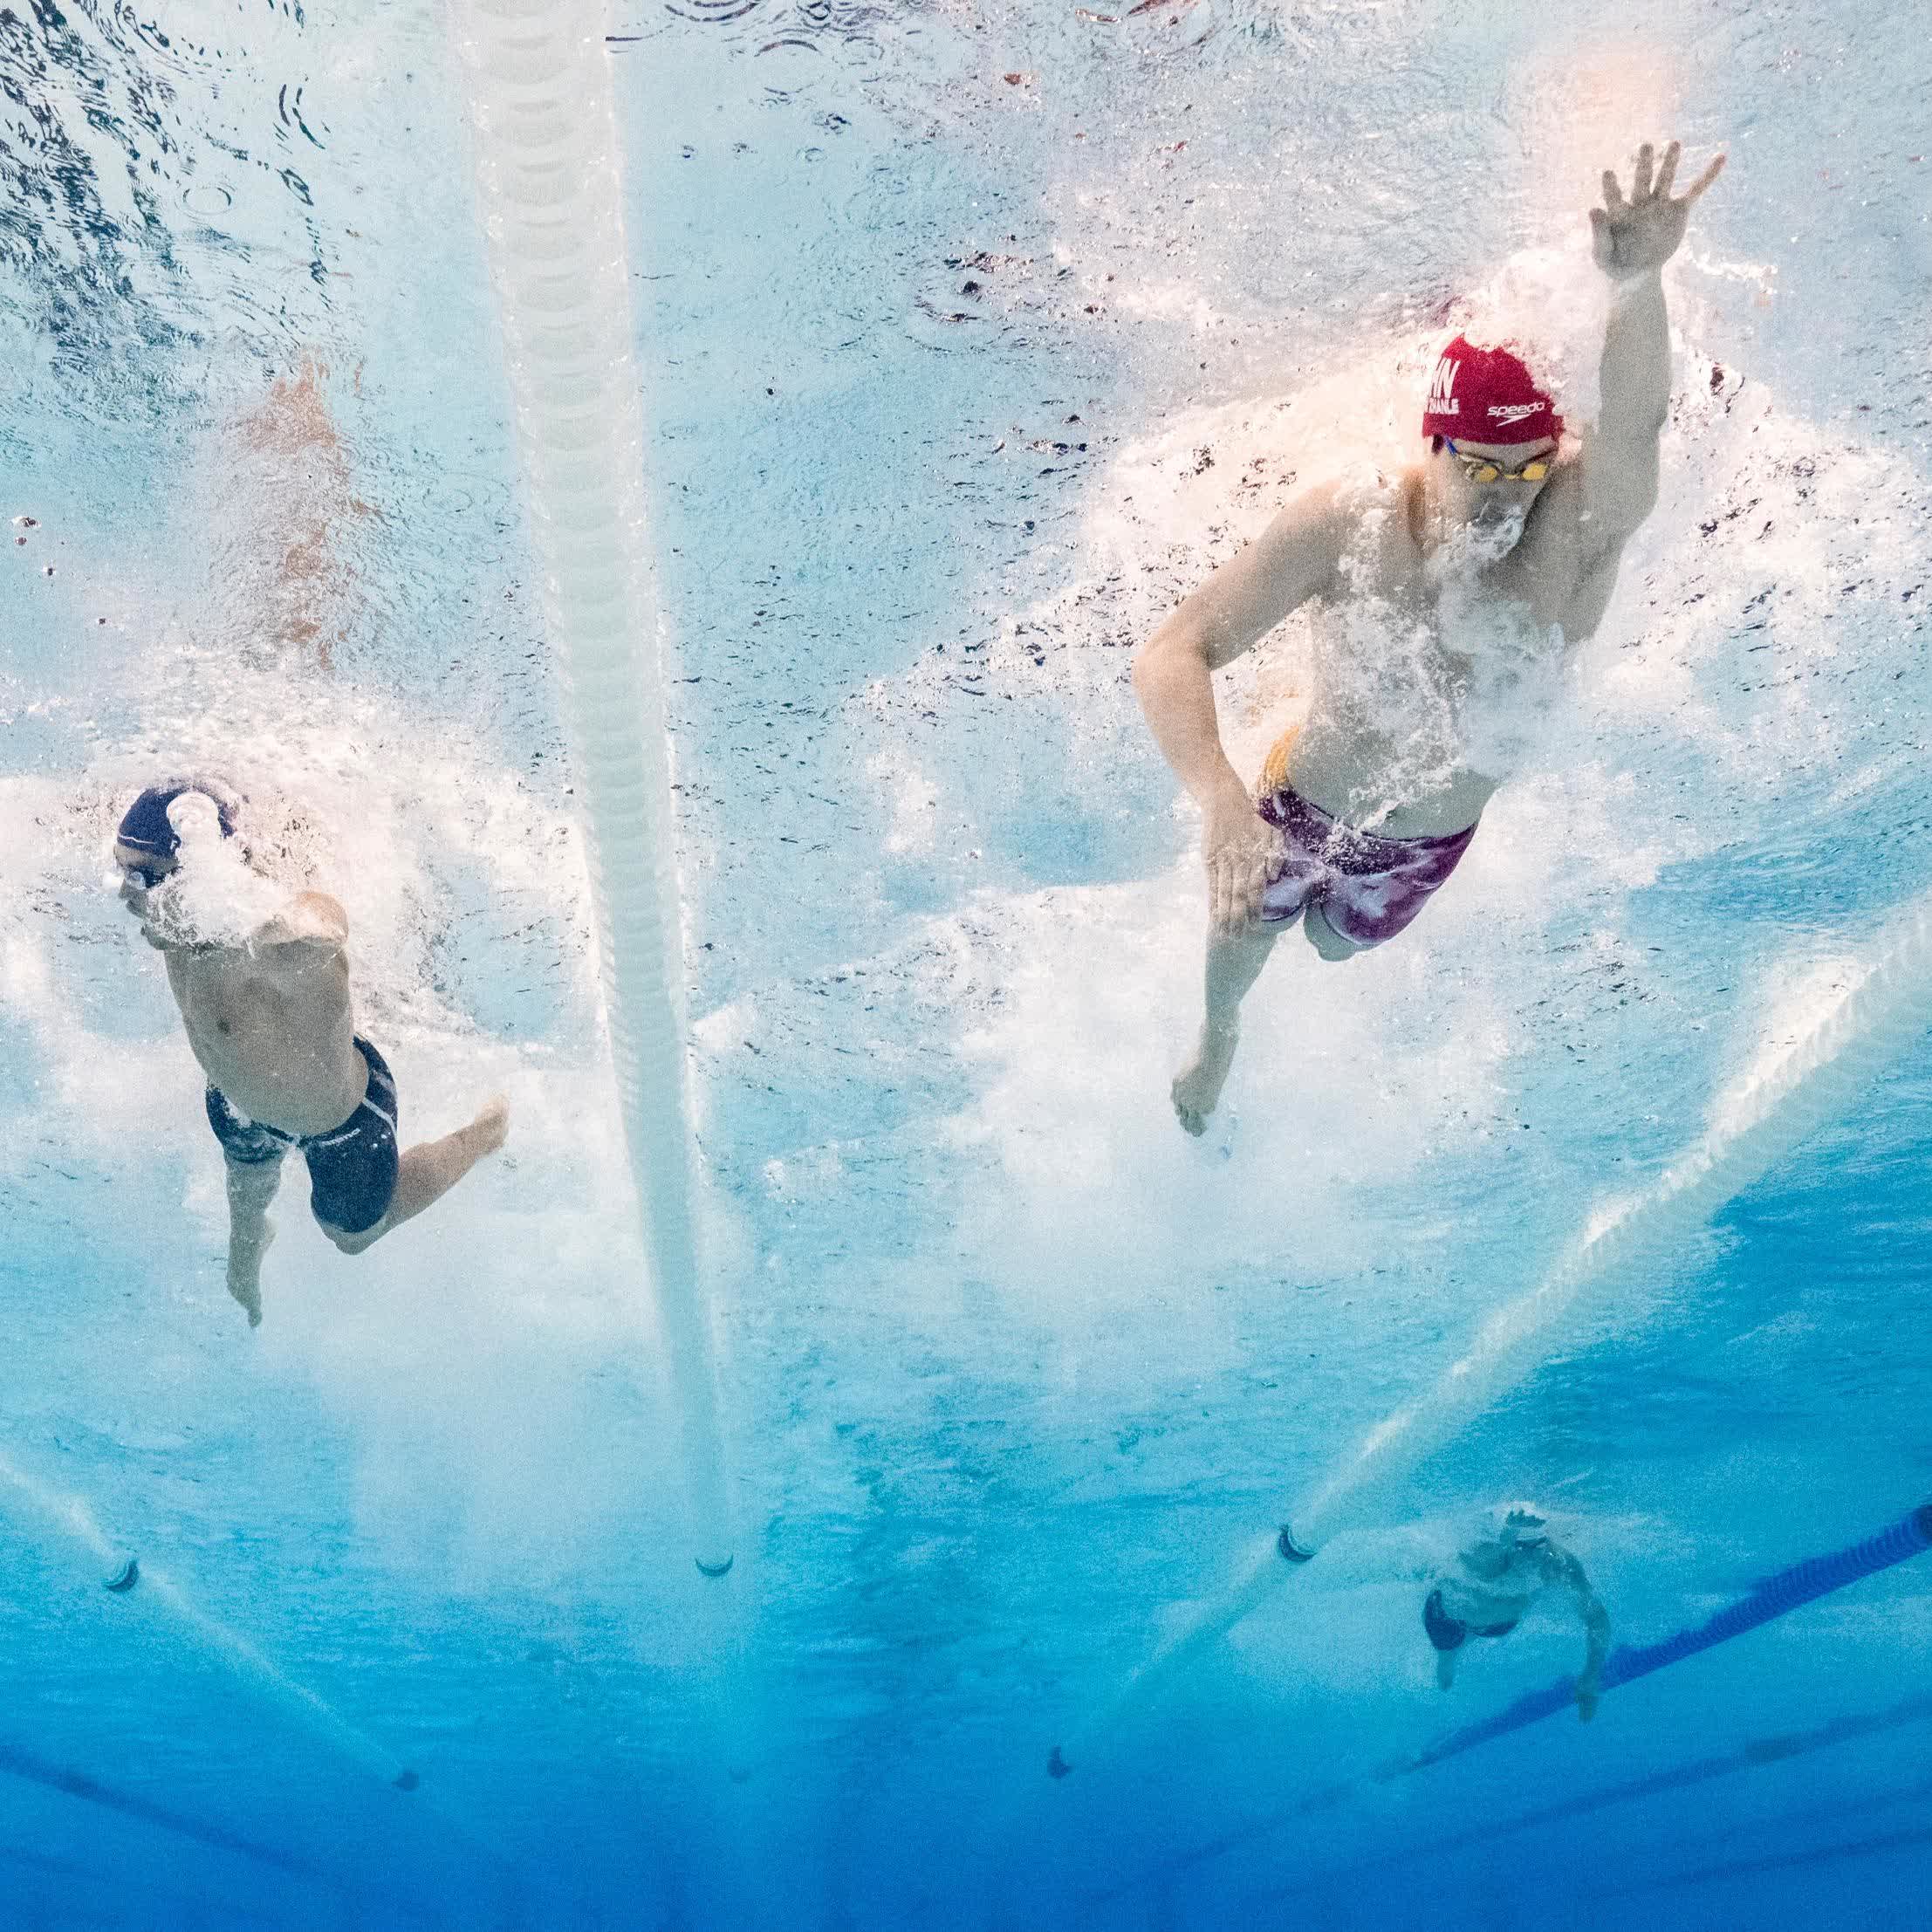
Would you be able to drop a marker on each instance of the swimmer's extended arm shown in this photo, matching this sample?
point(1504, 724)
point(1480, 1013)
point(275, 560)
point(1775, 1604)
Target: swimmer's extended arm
point(1293, 560)
point(1632, 240)
point(1560, 1567)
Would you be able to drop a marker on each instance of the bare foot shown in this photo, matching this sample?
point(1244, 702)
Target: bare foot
point(244, 1271)
point(1196, 1090)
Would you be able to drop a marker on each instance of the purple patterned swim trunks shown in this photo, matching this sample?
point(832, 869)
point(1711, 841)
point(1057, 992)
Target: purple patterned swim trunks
point(1368, 888)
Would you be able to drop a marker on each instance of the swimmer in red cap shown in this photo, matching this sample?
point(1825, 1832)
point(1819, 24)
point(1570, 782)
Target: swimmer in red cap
point(1445, 593)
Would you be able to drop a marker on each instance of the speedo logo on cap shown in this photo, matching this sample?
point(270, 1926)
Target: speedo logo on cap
point(1515, 412)
point(1441, 390)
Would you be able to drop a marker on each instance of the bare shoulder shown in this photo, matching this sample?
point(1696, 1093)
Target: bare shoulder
point(312, 926)
point(1310, 521)
point(1339, 507)
point(323, 913)
point(1377, 512)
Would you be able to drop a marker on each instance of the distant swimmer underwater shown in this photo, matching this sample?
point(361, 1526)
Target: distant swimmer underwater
point(1463, 578)
point(262, 978)
point(1489, 1590)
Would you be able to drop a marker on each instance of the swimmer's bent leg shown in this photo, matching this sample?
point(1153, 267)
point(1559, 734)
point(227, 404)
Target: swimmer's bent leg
point(1447, 1635)
point(426, 1173)
point(1235, 961)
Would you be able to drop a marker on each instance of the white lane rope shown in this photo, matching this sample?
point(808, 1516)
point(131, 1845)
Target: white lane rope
point(550, 187)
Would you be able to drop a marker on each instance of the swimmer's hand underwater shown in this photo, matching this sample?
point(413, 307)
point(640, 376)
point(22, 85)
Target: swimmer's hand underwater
point(1243, 852)
point(1632, 237)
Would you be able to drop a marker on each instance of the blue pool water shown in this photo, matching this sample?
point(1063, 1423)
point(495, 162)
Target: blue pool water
point(970, 336)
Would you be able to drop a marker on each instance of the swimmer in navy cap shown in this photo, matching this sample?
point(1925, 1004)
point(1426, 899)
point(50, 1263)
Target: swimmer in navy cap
point(1444, 594)
point(146, 841)
point(1492, 1583)
point(268, 1015)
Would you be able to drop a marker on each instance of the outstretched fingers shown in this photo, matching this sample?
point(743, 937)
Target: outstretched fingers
point(1667, 173)
point(1640, 181)
point(1703, 180)
point(1613, 193)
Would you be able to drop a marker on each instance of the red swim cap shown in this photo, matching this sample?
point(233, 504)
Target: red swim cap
point(1487, 395)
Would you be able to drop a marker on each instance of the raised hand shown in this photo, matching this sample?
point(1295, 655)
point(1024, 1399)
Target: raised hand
point(1632, 237)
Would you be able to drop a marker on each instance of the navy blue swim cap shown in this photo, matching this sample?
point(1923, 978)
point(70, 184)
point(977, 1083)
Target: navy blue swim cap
point(144, 826)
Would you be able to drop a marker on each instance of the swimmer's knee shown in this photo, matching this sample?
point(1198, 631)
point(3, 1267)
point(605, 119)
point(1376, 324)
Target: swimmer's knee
point(349, 1244)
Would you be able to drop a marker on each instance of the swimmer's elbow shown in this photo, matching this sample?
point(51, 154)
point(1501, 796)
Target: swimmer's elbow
point(1177, 642)
point(1612, 518)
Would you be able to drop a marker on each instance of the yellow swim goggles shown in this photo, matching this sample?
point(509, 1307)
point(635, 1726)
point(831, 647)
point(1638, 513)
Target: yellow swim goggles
point(1481, 470)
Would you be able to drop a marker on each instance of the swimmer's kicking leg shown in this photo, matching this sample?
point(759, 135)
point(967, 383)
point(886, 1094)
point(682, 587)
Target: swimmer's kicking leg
point(251, 1186)
point(1234, 960)
point(428, 1171)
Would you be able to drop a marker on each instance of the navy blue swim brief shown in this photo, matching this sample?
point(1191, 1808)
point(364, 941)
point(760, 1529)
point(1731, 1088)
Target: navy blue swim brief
point(352, 1167)
point(1447, 1633)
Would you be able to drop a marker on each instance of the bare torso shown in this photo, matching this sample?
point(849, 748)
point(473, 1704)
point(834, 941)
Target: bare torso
point(1492, 1585)
point(1421, 676)
point(274, 1033)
